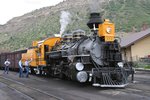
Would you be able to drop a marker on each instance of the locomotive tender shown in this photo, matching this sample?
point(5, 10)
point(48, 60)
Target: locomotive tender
point(96, 58)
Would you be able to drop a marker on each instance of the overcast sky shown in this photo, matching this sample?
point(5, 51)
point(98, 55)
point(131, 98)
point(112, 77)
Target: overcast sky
point(13, 8)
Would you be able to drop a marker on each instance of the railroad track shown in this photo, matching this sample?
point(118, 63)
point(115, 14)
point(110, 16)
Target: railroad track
point(30, 93)
point(34, 93)
point(36, 88)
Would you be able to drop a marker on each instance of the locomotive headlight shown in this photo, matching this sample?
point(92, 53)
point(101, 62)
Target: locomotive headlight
point(79, 66)
point(82, 76)
point(108, 30)
point(120, 64)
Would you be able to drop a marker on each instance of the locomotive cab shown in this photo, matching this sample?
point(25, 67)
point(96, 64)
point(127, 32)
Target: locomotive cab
point(38, 54)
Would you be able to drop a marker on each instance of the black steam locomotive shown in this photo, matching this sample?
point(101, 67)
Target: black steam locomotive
point(95, 58)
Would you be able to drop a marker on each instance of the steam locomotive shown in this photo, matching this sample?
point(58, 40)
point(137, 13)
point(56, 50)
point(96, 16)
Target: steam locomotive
point(96, 58)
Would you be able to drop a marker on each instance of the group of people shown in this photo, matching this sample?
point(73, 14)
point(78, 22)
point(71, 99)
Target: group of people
point(26, 63)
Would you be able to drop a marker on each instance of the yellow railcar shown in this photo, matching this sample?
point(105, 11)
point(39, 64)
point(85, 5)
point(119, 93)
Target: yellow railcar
point(36, 53)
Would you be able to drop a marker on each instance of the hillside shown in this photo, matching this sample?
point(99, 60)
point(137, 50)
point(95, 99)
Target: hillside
point(19, 32)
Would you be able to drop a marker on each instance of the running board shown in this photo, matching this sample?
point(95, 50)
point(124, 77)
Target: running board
point(118, 86)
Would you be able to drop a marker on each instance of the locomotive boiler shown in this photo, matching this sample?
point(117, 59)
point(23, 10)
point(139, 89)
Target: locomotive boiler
point(95, 58)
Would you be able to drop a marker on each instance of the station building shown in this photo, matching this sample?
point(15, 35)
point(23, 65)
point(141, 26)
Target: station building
point(136, 46)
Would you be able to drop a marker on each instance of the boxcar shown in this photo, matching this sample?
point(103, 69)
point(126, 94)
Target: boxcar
point(13, 57)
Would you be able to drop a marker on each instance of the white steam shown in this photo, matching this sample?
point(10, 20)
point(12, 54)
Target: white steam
point(65, 18)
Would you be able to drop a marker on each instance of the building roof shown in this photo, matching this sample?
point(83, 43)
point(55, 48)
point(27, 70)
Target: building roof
point(131, 39)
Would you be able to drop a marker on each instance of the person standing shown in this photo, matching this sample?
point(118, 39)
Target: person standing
point(27, 64)
point(6, 63)
point(20, 69)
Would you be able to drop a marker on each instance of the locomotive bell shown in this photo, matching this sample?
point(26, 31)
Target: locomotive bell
point(95, 20)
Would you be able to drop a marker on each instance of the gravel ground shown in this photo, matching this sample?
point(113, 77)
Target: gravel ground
point(42, 88)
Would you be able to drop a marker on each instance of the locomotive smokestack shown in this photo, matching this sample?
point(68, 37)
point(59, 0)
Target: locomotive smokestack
point(95, 20)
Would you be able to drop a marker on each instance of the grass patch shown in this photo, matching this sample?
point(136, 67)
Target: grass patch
point(147, 67)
